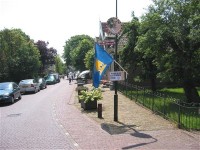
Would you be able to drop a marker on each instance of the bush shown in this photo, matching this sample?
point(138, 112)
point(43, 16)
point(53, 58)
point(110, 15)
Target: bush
point(81, 88)
point(87, 96)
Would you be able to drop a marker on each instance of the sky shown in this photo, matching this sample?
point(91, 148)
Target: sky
point(56, 21)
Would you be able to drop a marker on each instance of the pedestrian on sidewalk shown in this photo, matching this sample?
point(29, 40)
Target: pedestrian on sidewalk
point(70, 77)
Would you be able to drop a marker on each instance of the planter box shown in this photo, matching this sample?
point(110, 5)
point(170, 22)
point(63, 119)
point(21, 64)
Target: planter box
point(80, 100)
point(89, 105)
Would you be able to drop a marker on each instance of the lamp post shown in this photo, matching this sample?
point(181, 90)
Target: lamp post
point(114, 25)
point(116, 83)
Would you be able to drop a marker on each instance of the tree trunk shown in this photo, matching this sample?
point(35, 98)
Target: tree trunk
point(153, 84)
point(130, 75)
point(191, 92)
point(152, 75)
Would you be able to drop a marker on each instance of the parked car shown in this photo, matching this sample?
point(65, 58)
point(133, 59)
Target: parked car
point(29, 85)
point(50, 79)
point(57, 77)
point(84, 76)
point(42, 83)
point(9, 92)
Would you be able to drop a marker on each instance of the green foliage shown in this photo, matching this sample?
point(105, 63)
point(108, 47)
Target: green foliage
point(169, 44)
point(169, 30)
point(60, 67)
point(89, 59)
point(79, 89)
point(19, 56)
point(129, 55)
point(95, 94)
point(166, 103)
point(75, 50)
point(78, 55)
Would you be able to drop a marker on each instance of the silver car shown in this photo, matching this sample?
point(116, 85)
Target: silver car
point(29, 85)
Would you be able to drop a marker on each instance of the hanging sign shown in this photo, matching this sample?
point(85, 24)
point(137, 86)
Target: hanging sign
point(117, 75)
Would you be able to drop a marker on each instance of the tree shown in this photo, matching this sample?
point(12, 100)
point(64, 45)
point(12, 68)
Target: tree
point(48, 55)
point(89, 59)
point(19, 56)
point(78, 55)
point(171, 30)
point(129, 56)
point(60, 67)
point(75, 50)
point(42, 46)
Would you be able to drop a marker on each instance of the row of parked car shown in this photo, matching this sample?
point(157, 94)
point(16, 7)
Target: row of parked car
point(10, 91)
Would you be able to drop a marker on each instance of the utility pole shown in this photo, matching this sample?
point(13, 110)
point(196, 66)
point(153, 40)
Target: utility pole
point(116, 82)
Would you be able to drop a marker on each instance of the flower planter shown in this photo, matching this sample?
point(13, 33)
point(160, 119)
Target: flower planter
point(89, 105)
point(80, 100)
point(81, 88)
point(89, 98)
point(79, 91)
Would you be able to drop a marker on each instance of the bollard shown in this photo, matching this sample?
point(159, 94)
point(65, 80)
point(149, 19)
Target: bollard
point(99, 110)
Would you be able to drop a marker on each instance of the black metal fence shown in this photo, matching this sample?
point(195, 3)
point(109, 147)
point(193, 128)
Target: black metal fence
point(185, 115)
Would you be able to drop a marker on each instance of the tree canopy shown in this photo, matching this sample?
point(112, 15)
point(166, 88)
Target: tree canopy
point(169, 37)
point(19, 56)
point(75, 51)
point(48, 55)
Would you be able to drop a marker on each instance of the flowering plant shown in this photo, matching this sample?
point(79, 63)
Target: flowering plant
point(81, 88)
point(92, 95)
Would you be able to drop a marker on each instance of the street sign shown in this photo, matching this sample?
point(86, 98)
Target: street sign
point(117, 75)
point(107, 42)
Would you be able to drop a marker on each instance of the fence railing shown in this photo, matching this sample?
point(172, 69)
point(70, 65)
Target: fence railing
point(185, 115)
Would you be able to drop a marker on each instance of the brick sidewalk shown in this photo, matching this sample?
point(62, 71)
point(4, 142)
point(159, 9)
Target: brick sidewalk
point(130, 115)
point(138, 128)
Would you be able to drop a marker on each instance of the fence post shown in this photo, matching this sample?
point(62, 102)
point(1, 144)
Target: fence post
point(153, 101)
point(179, 115)
point(131, 92)
point(143, 97)
point(164, 106)
point(126, 88)
point(136, 93)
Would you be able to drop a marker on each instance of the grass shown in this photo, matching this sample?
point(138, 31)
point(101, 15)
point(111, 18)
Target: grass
point(177, 93)
point(165, 103)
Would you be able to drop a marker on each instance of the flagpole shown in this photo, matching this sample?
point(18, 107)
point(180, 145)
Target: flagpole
point(121, 67)
point(116, 83)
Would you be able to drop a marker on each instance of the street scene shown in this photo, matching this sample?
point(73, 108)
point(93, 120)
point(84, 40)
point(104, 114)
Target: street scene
point(99, 74)
point(52, 119)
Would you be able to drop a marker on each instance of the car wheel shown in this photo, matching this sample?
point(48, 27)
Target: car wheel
point(12, 100)
point(20, 97)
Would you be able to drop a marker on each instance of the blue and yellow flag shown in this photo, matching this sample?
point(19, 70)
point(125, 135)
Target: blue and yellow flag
point(101, 63)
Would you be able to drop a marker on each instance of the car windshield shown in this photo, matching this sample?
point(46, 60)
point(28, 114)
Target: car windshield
point(50, 77)
point(5, 86)
point(40, 80)
point(29, 81)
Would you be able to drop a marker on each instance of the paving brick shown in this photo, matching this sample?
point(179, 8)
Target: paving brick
point(138, 128)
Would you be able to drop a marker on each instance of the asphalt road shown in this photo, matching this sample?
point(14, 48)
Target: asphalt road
point(30, 123)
